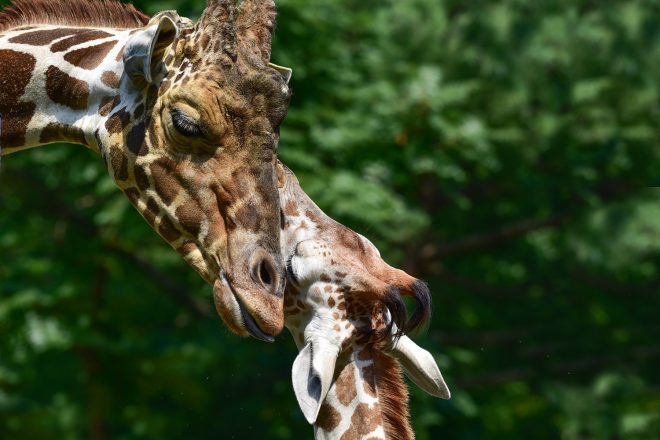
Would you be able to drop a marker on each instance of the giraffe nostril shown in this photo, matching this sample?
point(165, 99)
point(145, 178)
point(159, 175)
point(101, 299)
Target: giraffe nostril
point(264, 273)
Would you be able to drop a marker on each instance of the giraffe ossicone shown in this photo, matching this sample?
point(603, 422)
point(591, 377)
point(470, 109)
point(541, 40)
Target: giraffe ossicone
point(186, 117)
point(344, 309)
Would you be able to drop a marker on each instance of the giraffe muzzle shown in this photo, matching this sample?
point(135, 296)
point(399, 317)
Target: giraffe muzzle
point(250, 300)
point(252, 327)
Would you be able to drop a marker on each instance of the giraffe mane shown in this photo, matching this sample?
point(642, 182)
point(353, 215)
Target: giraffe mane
point(393, 397)
point(85, 13)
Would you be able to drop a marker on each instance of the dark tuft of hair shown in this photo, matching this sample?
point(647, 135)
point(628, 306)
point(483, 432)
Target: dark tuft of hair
point(398, 313)
point(422, 313)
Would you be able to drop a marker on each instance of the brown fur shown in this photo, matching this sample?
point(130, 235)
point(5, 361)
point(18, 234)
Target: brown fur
point(393, 397)
point(89, 58)
point(87, 13)
point(17, 115)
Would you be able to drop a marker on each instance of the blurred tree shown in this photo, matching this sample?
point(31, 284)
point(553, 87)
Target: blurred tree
point(499, 150)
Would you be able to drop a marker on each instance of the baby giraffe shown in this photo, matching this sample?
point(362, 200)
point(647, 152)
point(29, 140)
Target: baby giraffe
point(343, 307)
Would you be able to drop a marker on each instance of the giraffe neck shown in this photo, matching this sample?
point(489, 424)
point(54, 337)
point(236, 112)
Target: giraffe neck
point(368, 399)
point(59, 84)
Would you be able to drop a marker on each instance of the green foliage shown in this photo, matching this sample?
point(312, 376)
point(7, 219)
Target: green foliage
point(498, 150)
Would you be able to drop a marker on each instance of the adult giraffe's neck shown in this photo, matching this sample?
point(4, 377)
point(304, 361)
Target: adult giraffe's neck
point(367, 400)
point(58, 84)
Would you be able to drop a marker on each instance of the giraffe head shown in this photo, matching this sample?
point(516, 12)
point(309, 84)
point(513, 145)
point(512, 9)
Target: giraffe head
point(341, 294)
point(192, 140)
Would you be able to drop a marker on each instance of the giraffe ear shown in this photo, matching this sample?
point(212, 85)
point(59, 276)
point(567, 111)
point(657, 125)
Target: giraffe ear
point(420, 367)
point(144, 50)
point(312, 376)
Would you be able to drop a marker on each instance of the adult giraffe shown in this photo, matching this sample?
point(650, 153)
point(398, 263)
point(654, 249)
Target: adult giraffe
point(186, 117)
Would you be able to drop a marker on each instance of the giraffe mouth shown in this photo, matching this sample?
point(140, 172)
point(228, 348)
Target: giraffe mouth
point(249, 324)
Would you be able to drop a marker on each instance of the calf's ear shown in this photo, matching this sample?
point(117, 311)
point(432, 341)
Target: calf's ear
point(419, 365)
point(312, 374)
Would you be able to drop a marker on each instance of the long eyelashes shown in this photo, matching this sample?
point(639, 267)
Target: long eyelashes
point(289, 270)
point(184, 124)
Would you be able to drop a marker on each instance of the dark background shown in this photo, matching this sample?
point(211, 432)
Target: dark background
point(499, 150)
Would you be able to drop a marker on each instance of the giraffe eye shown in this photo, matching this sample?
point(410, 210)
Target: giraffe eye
point(185, 125)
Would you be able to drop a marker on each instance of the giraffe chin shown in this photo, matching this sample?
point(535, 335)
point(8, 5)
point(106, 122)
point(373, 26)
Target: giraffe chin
point(233, 312)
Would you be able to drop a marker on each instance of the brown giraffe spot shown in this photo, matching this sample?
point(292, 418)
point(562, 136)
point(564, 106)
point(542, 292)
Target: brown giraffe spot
point(120, 55)
point(341, 274)
point(133, 195)
point(167, 229)
point(331, 302)
point(141, 178)
point(165, 86)
point(118, 122)
point(119, 164)
point(369, 376)
point(135, 140)
point(341, 305)
point(328, 418)
point(110, 79)
point(350, 434)
point(312, 216)
point(43, 36)
point(364, 421)
point(324, 278)
point(337, 329)
point(164, 182)
point(187, 248)
point(79, 38)
point(108, 103)
point(15, 74)
point(56, 132)
point(66, 90)
point(89, 58)
point(190, 217)
point(204, 41)
point(291, 209)
point(248, 216)
point(150, 212)
point(345, 386)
